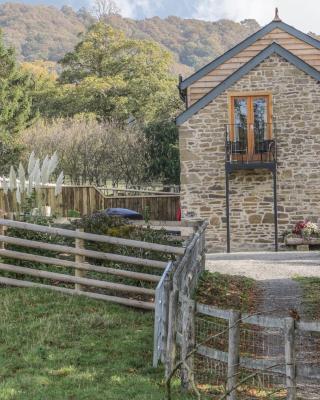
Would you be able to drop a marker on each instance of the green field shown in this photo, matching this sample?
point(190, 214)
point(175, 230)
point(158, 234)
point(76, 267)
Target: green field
point(56, 347)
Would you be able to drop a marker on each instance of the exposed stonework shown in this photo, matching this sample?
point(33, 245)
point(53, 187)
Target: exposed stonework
point(296, 114)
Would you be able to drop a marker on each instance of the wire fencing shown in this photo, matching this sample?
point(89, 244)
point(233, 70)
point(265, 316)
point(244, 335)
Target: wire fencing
point(265, 357)
point(225, 354)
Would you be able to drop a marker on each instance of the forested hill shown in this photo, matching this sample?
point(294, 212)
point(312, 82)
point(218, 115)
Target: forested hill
point(193, 42)
point(41, 32)
point(44, 32)
point(47, 33)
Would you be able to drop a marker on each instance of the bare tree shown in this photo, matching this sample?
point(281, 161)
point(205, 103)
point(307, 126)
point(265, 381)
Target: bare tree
point(92, 152)
point(105, 8)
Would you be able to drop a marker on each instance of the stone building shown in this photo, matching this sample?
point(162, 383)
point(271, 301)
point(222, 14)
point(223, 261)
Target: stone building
point(250, 139)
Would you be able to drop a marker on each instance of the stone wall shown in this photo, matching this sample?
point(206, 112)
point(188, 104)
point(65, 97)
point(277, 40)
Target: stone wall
point(296, 114)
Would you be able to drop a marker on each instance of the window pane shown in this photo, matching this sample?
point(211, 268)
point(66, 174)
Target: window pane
point(240, 121)
point(260, 116)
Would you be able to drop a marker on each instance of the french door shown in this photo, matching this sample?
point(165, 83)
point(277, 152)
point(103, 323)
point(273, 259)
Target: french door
point(251, 117)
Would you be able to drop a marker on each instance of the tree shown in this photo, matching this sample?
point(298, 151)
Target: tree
point(16, 86)
point(89, 151)
point(163, 152)
point(117, 78)
point(104, 8)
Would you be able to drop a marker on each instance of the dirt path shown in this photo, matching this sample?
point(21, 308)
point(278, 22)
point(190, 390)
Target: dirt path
point(280, 295)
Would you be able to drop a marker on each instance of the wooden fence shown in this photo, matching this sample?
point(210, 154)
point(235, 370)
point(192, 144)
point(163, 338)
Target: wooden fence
point(288, 362)
point(180, 277)
point(83, 285)
point(88, 199)
point(133, 192)
point(289, 350)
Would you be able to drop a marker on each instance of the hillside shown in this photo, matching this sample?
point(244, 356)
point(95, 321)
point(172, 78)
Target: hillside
point(47, 33)
point(193, 42)
point(41, 32)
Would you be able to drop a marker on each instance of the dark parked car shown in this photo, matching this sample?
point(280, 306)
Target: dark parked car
point(124, 213)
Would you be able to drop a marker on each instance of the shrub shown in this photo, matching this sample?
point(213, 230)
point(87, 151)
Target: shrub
point(100, 223)
point(306, 229)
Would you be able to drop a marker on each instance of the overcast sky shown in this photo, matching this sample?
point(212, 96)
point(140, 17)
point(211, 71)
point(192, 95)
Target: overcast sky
point(303, 14)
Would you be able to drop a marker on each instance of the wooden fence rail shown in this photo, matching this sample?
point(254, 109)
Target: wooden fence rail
point(92, 237)
point(137, 192)
point(80, 266)
point(89, 199)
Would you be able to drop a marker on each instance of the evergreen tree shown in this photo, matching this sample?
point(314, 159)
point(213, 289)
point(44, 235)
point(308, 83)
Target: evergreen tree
point(15, 103)
point(163, 152)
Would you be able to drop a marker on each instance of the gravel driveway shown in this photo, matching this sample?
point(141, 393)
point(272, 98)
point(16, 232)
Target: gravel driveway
point(265, 265)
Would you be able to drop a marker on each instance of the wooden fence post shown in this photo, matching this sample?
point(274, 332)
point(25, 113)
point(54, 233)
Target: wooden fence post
point(2, 230)
point(290, 359)
point(233, 353)
point(166, 296)
point(161, 320)
point(203, 250)
point(157, 327)
point(172, 330)
point(2, 233)
point(79, 244)
point(188, 342)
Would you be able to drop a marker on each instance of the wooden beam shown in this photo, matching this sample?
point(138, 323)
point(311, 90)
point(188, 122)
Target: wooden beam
point(113, 299)
point(79, 272)
point(83, 252)
point(308, 326)
point(73, 279)
point(290, 358)
point(85, 266)
point(93, 237)
point(233, 354)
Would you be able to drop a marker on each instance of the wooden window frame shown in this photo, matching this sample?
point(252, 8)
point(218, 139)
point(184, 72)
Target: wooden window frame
point(250, 95)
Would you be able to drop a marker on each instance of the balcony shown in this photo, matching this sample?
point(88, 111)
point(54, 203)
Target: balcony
point(250, 146)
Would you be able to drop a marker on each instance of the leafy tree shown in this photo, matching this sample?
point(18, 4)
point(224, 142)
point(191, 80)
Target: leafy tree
point(118, 78)
point(45, 90)
point(15, 103)
point(163, 152)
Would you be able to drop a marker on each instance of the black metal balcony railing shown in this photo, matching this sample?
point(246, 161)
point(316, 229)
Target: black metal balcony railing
point(252, 143)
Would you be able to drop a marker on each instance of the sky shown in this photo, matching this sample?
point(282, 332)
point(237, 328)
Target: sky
point(303, 14)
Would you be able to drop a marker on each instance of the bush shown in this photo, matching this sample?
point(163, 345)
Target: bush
point(98, 223)
point(39, 237)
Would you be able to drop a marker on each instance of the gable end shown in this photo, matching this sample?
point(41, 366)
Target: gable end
point(246, 43)
point(273, 48)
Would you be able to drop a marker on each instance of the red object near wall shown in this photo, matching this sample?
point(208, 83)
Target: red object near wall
point(179, 214)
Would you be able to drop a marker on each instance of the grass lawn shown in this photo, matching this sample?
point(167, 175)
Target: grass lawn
point(54, 347)
point(311, 297)
point(227, 291)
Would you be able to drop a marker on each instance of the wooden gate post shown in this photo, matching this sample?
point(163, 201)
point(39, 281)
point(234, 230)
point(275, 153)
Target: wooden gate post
point(290, 359)
point(233, 354)
point(79, 244)
point(161, 318)
point(172, 330)
point(188, 342)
